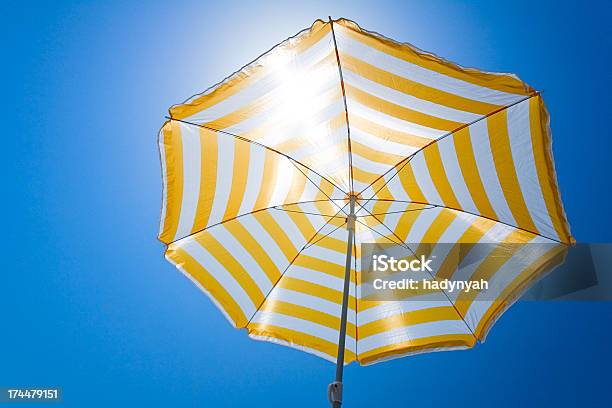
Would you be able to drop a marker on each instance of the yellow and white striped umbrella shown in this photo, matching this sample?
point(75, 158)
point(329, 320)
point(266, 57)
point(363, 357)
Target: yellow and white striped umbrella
point(260, 171)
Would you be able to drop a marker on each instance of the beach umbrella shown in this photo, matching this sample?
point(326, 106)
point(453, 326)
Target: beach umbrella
point(275, 177)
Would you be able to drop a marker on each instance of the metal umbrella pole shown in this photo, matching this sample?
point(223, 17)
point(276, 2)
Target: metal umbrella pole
point(334, 391)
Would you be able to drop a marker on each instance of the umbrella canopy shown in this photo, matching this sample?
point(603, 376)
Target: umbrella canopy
point(340, 131)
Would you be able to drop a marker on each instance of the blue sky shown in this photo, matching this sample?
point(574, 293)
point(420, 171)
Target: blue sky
point(87, 301)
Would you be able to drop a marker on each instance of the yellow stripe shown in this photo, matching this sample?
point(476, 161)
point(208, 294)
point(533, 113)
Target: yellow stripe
point(239, 81)
point(400, 112)
point(417, 345)
point(415, 89)
point(306, 313)
point(253, 247)
point(500, 82)
point(469, 170)
point(506, 170)
point(432, 314)
point(173, 154)
point(269, 177)
point(320, 265)
point(370, 153)
point(541, 144)
point(438, 176)
point(406, 221)
point(276, 233)
point(182, 259)
point(411, 187)
point(313, 289)
point(440, 224)
point(363, 176)
point(385, 133)
point(231, 265)
point(209, 148)
point(239, 179)
point(301, 339)
point(298, 185)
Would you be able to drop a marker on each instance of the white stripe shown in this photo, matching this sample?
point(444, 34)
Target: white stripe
point(225, 175)
point(191, 179)
point(162, 155)
point(283, 180)
point(254, 183)
point(488, 173)
point(519, 132)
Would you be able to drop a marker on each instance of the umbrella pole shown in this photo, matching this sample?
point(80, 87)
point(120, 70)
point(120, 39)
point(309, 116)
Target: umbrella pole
point(334, 391)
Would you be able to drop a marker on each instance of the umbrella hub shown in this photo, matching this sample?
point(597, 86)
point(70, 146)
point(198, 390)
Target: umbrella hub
point(354, 195)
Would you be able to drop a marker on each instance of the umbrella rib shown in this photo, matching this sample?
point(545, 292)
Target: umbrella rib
point(465, 125)
point(476, 215)
point(346, 115)
point(242, 215)
point(244, 139)
point(288, 266)
point(356, 301)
